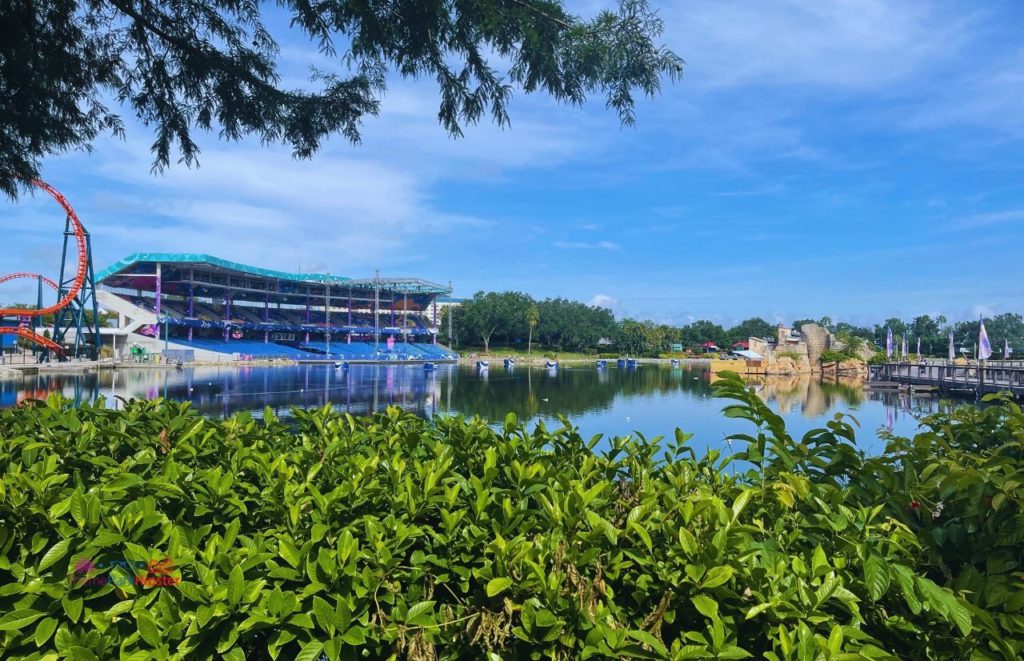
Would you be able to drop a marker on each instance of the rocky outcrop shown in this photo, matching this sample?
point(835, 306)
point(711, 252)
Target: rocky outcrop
point(817, 339)
point(784, 365)
point(852, 368)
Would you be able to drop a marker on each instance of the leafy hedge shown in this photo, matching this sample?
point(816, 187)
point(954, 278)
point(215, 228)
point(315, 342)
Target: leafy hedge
point(389, 535)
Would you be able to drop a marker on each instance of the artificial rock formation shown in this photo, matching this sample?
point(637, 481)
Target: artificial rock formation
point(801, 354)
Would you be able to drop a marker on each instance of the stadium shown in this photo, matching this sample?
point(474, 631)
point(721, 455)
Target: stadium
point(195, 306)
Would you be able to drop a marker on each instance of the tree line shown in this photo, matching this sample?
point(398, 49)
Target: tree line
point(1002, 329)
point(515, 319)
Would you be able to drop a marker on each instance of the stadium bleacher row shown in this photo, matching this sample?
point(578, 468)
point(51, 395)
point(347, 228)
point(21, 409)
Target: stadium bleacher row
point(338, 350)
point(313, 350)
point(250, 318)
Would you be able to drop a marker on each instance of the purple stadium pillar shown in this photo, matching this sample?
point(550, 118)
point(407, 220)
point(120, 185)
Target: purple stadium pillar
point(158, 296)
point(227, 316)
point(191, 304)
point(307, 315)
point(392, 309)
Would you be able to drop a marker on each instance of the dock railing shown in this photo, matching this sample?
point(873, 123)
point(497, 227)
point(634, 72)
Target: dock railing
point(984, 377)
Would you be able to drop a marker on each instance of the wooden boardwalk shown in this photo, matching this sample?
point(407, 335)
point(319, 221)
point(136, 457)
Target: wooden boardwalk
point(995, 376)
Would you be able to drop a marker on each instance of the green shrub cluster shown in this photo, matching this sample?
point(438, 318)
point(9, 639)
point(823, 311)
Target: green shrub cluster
point(879, 358)
point(393, 536)
point(790, 354)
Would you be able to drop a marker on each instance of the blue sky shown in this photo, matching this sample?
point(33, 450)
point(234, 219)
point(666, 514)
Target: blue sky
point(852, 158)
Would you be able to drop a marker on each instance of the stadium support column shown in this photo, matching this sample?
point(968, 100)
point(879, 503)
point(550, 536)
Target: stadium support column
point(350, 309)
point(376, 313)
point(307, 314)
point(266, 314)
point(227, 316)
point(191, 300)
point(159, 273)
point(327, 316)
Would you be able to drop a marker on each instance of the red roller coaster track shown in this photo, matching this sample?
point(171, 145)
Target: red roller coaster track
point(34, 276)
point(76, 284)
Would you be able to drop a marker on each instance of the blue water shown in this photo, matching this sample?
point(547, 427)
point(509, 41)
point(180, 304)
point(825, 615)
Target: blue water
point(652, 400)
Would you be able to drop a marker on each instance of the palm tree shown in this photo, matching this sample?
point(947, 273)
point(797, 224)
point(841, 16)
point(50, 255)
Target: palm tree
point(532, 319)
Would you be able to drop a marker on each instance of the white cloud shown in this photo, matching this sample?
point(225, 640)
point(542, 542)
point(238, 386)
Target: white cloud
point(604, 301)
point(988, 96)
point(583, 245)
point(848, 44)
point(982, 220)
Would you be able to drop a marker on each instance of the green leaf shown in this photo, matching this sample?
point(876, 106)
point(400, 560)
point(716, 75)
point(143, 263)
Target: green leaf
point(649, 640)
point(72, 607)
point(961, 615)
point(310, 651)
point(496, 586)
point(148, 629)
point(19, 618)
point(642, 534)
point(56, 552)
point(757, 610)
point(417, 612)
point(44, 630)
point(706, 606)
point(740, 504)
point(819, 562)
point(688, 541)
point(78, 508)
point(286, 549)
point(717, 576)
point(324, 614)
point(835, 639)
point(236, 585)
point(876, 576)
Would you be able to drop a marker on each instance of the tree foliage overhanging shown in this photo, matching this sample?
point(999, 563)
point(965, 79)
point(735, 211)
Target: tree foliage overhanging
point(182, 65)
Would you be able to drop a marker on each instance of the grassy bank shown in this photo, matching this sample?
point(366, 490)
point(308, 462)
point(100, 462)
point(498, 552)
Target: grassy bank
point(154, 532)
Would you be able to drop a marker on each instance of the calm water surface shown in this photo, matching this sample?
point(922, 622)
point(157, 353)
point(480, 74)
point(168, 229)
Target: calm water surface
point(652, 400)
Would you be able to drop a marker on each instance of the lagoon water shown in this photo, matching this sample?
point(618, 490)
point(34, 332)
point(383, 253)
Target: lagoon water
point(652, 399)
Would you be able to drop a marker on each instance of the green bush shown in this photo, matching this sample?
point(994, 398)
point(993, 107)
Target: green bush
point(878, 359)
point(790, 354)
point(393, 536)
point(834, 356)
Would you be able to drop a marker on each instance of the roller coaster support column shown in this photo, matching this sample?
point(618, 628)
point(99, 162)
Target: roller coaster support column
point(39, 306)
point(82, 313)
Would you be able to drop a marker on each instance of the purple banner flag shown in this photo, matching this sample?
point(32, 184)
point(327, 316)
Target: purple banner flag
point(984, 346)
point(904, 347)
point(952, 351)
point(888, 343)
point(918, 346)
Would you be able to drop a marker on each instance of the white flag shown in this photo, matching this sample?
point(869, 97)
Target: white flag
point(984, 346)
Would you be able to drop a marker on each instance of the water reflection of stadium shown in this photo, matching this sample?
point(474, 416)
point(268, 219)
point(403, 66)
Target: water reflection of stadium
point(223, 391)
point(359, 390)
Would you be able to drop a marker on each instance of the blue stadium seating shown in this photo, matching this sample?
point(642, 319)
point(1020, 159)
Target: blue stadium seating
point(253, 348)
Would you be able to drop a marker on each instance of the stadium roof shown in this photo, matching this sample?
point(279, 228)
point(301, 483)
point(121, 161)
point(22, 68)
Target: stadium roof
point(128, 267)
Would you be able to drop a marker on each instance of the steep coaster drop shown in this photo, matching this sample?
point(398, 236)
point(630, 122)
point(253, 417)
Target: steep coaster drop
point(73, 294)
